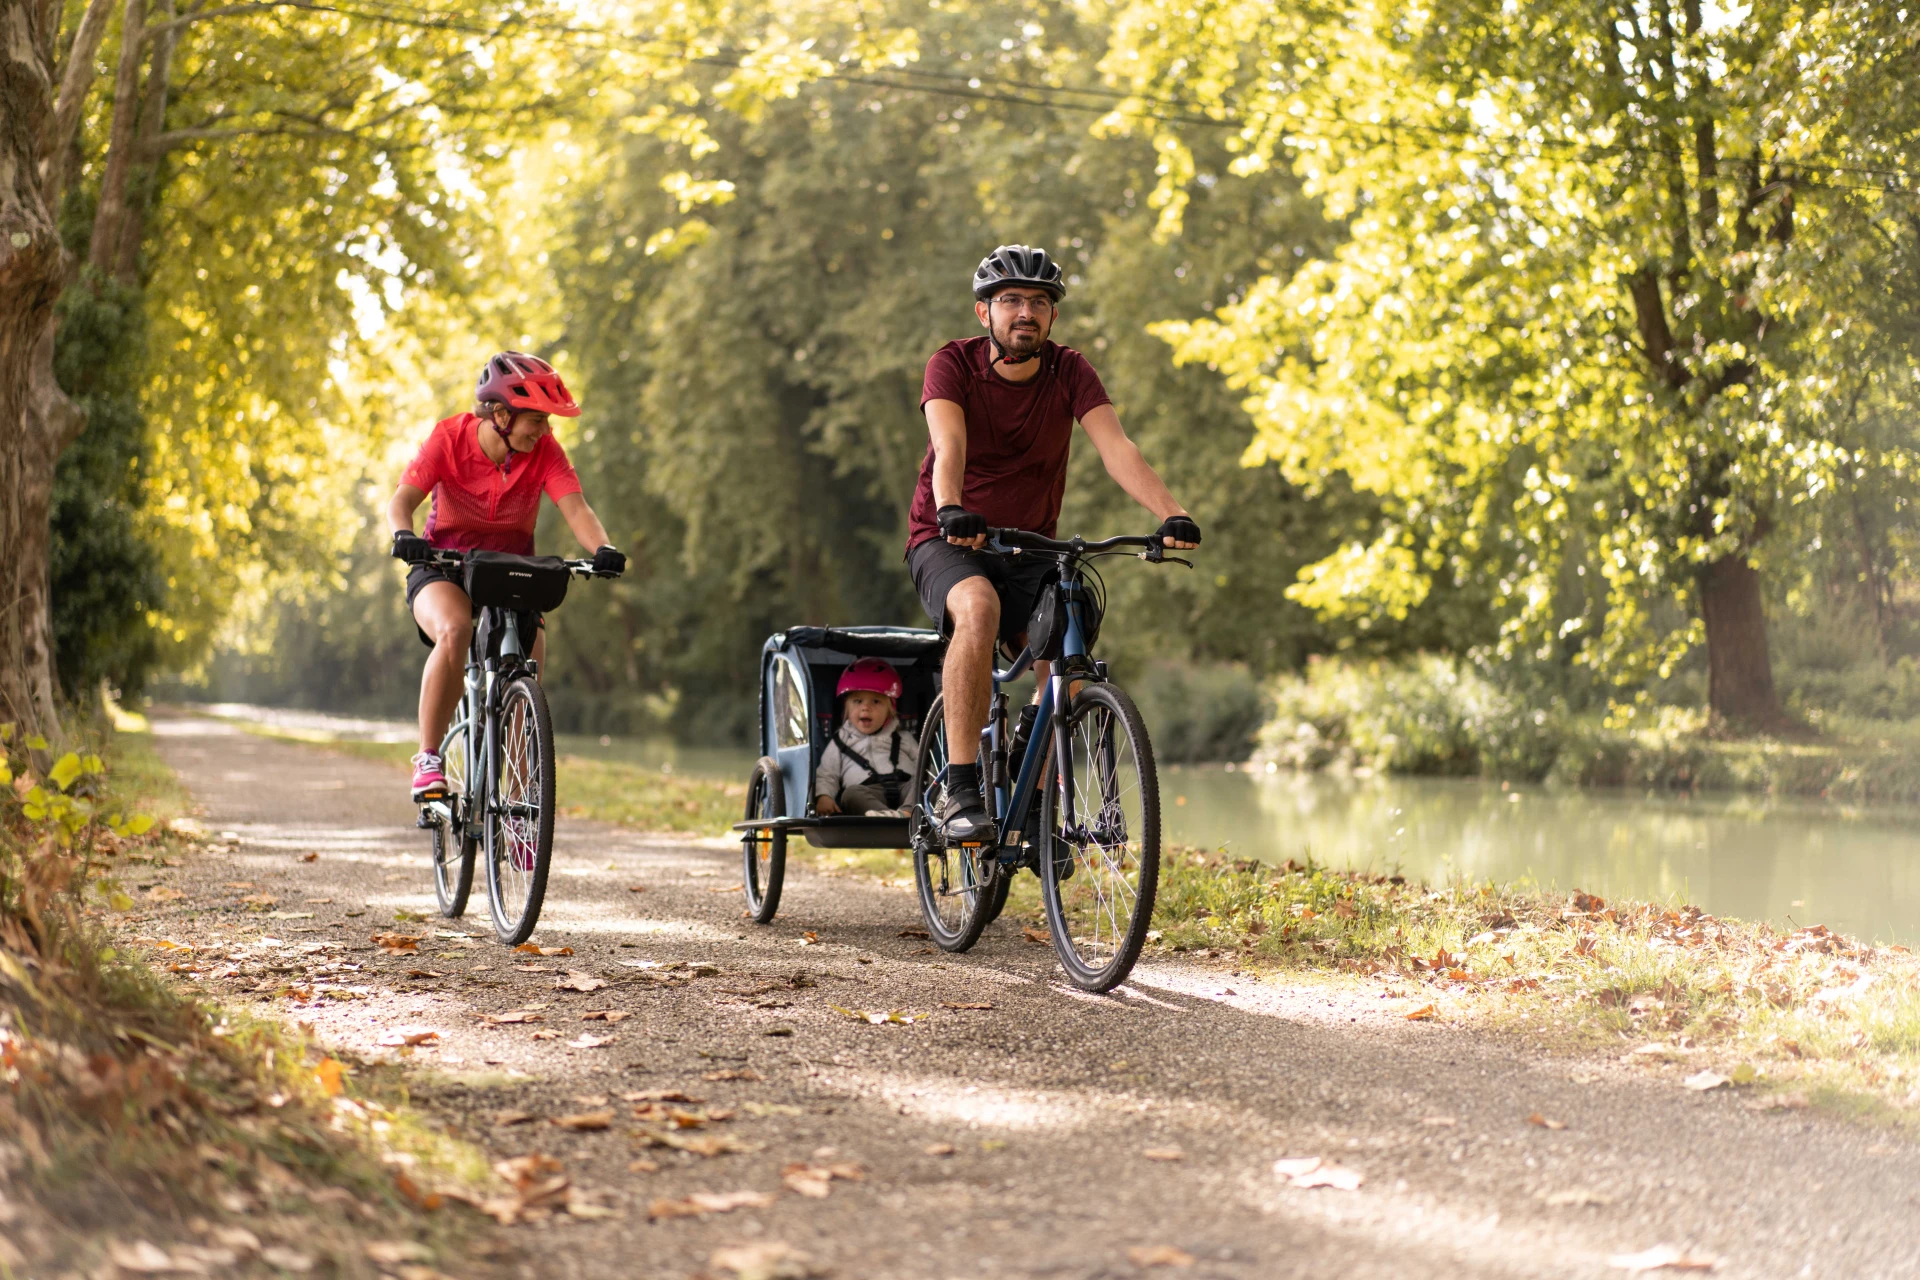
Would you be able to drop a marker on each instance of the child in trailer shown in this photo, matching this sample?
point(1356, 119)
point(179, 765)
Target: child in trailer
point(869, 763)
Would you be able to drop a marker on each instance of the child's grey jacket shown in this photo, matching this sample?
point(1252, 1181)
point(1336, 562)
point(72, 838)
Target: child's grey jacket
point(853, 758)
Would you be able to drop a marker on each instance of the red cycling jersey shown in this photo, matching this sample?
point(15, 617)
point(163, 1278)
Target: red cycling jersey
point(481, 506)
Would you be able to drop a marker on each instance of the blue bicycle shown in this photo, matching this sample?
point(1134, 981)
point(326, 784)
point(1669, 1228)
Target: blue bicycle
point(1081, 807)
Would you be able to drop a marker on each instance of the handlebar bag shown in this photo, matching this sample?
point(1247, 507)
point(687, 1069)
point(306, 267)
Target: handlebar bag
point(1047, 628)
point(528, 584)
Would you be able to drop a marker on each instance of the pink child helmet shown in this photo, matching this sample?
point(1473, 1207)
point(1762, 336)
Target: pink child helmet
point(870, 675)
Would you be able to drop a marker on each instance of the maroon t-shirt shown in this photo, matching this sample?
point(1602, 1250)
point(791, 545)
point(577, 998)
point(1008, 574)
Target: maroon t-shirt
point(1018, 435)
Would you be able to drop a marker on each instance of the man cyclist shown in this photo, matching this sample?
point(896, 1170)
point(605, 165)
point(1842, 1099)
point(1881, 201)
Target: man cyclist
point(486, 471)
point(1000, 410)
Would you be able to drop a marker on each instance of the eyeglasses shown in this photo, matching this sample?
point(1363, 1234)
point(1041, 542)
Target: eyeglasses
point(1016, 303)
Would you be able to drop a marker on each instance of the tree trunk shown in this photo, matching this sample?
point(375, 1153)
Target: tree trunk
point(1739, 670)
point(36, 421)
point(112, 212)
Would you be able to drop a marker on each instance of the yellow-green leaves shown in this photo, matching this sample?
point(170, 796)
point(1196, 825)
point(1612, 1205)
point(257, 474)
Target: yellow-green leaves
point(65, 770)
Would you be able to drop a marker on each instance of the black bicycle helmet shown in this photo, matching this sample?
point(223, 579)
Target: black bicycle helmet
point(1017, 264)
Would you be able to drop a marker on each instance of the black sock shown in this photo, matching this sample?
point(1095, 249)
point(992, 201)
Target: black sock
point(964, 779)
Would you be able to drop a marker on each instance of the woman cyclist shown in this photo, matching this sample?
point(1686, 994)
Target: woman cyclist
point(486, 471)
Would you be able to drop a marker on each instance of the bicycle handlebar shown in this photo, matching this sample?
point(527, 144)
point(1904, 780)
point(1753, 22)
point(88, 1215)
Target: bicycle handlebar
point(447, 558)
point(1006, 541)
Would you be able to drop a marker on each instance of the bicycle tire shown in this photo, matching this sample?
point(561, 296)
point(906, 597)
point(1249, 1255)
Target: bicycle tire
point(1103, 726)
point(518, 818)
point(452, 884)
point(936, 868)
point(763, 854)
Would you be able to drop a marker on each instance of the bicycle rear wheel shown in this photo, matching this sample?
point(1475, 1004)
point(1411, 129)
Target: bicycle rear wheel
point(455, 839)
point(1100, 825)
point(954, 896)
point(518, 819)
point(764, 853)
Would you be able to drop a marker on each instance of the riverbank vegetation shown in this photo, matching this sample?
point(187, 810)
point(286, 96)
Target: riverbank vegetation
point(141, 1127)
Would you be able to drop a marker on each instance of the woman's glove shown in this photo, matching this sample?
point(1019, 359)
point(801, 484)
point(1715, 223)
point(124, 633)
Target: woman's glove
point(958, 522)
point(609, 563)
point(411, 547)
point(1177, 529)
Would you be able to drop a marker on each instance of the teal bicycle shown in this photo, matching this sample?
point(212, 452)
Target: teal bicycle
point(1080, 808)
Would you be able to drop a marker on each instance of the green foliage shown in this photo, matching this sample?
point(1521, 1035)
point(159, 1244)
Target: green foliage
point(1605, 304)
point(1200, 711)
point(105, 575)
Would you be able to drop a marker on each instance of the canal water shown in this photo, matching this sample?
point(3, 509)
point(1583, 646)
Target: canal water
point(1853, 870)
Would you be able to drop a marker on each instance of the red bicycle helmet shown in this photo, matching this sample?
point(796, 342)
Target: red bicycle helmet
point(870, 675)
point(521, 381)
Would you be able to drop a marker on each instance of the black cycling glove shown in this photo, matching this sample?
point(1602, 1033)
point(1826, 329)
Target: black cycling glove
point(411, 547)
point(958, 522)
point(609, 562)
point(1177, 529)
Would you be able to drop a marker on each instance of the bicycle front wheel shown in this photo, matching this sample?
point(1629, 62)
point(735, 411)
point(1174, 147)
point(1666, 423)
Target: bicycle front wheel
point(518, 818)
point(1100, 860)
point(955, 898)
point(454, 836)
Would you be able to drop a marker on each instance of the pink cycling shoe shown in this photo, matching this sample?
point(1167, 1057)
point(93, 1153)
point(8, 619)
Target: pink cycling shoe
point(429, 778)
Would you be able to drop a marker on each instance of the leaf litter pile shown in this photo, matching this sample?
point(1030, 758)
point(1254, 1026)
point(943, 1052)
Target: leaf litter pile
point(1796, 1011)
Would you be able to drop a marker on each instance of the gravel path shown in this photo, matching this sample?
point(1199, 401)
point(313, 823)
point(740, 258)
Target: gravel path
point(1031, 1138)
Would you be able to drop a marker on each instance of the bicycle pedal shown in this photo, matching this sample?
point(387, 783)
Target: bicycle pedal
point(425, 821)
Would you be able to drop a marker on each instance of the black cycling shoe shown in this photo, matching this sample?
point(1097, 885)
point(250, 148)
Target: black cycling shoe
point(964, 819)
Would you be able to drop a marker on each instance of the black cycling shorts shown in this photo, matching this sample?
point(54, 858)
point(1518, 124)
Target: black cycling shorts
point(937, 566)
point(419, 575)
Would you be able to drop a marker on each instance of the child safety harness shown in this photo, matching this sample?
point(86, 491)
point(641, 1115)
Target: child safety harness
point(893, 783)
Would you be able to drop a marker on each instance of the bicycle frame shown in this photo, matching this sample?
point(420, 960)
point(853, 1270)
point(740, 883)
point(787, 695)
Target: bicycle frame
point(483, 676)
point(1017, 804)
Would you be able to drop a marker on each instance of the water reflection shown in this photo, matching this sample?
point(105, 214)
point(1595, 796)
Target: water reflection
point(1852, 870)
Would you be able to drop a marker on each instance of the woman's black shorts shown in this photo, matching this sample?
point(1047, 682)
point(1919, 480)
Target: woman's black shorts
point(937, 566)
point(421, 574)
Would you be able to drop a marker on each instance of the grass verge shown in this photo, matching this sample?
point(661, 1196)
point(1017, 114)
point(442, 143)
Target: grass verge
point(141, 1125)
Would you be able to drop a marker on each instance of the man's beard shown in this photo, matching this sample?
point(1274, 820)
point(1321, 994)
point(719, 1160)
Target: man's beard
point(1020, 342)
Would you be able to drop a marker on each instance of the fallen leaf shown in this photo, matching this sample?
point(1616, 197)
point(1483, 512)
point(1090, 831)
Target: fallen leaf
point(702, 1203)
point(328, 1072)
point(1704, 1080)
point(309, 857)
point(1294, 1166)
point(535, 949)
point(162, 893)
point(1425, 1013)
point(260, 899)
point(585, 1041)
point(769, 1260)
point(1575, 1197)
point(661, 1095)
point(1661, 1256)
point(636, 888)
point(875, 1018)
point(505, 1118)
point(1344, 909)
point(643, 1165)
point(409, 1036)
point(1542, 1122)
point(955, 1004)
point(516, 1016)
point(1331, 1175)
point(1440, 1121)
point(578, 1206)
point(391, 1253)
point(579, 980)
point(1158, 1255)
point(586, 1121)
point(397, 943)
point(727, 888)
point(546, 1035)
point(938, 1149)
point(1036, 935)
point(814, 1180)
point(278, 1255)
point(141, 1256)
point(425, 973)
point(734, 1073)
point(708, 1145)
point(605, 1015)
point(1168, 1154)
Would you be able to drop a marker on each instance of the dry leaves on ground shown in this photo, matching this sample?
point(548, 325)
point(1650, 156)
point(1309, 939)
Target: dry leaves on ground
point(579, 980)
point(875, 1018)
point(538, 1184)
point(1158, 1255)
point(1425, 1013)
point(1542, 1122)
point(605, 1015)
point(661, 1095)
point(702, 1203)
point(734, 1073)
point(1311, 1171)
point(1778, 1102)
point(535, 949)
point(1662, 1257)
point(1167, 1154)
point(585, 1041)
point(586, 1121)
point(1702, 1081)
point(814, 1180)
point(505, 1118)
point(409, 1036)
point(769, 1260)
point(939, 1149)
point(1574, 1197)
point(1036, 935)
point(959, 1004)
point(515, 1016)
point(395, 944)
point(708, 1145)
point(393, 1253)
